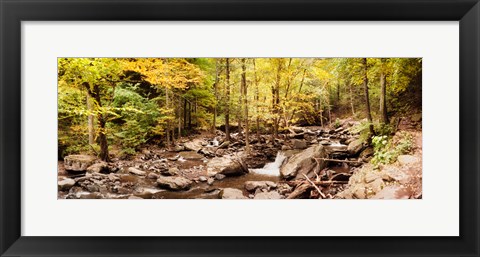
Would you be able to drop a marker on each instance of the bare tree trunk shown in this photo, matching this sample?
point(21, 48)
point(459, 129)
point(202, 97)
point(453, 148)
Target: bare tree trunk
point(167, 106)
point(245, 105)
point(91, 129)
point(276, 100)
point(215, 85)
point(227, 109)
point(351, 99)
point(383, 93)
point(256, 100)
point(367, 99)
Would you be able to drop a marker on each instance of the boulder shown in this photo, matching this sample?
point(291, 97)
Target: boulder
point(136, 171)
point(299, 144)
point(78, 163)
point(407, 159)
point(100, 167)
point(355, 147)
point(303, 162)
point(152, 175)
point(334, 148)
point(174, 183)
point(194, 145)
point(170, 172)
point(66, 184)
point(226, 166)
point(368, 152)
point(231, 193)
point(253, 185)
point(268, 195)
point(178, 148)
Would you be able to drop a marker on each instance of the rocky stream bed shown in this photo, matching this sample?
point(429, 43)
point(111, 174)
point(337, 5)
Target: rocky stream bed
point(304, 162)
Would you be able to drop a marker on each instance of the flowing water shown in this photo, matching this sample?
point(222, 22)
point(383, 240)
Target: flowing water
point(272, 168)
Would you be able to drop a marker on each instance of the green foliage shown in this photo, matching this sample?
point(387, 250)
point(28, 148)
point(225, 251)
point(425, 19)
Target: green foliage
point(363, 129)
point(386, 150)
point(337, 123)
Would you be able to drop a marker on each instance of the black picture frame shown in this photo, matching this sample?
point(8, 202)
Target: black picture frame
point(13, 12)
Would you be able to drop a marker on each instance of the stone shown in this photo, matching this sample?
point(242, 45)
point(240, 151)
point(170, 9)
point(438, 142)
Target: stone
point(78, 163)
point(112, 177)
point(371, 176)
point(100, 167)
point(224, 145)
point(226, 166)
point(299, 144)
point(392, 192)
point(190, 155)
point(134, 197)
point(152, 175)
point(407, 159)
point(253, 185)
point(66, 184)
point(210, 181)
point(202, 178)
point(268, 195)
point(416, 117)
point(231, 193)
point(219, 176)
point(170, 172)
point(136, 171)
point(355, 147)
point(178, 148)
point(174, 183)
point(194, 145)
point(368, 152)
point(303, 162)
point(377, 185)
point(394, 174)
point(359, 193)
point(334, 148)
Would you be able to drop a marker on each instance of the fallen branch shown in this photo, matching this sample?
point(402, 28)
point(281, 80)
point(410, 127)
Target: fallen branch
point(315, 186)
point(299, 190)
point(320, 183)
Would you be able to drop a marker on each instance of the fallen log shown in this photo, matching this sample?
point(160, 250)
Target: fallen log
point(299, 190)
point(319, 183)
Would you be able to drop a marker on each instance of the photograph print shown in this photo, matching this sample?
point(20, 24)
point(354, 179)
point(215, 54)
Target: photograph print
point(239, 128)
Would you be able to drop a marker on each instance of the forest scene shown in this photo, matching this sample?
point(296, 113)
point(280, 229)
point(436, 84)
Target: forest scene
point(239, 128)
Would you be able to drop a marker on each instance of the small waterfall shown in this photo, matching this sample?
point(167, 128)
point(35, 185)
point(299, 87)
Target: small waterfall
point(272, 168)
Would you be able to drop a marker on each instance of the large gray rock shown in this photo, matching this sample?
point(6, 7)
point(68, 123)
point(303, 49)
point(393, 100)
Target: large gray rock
point(355, 147)
point(78, 163)
point(100, 167)
point(303, 162)
point(66, 184)
point(299, 144)
point(227, 166)
point(231, 193)
point(194, 145)
point(174, 183)
point(268, 195)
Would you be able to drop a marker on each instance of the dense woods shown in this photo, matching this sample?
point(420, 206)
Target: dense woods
point(115, 108)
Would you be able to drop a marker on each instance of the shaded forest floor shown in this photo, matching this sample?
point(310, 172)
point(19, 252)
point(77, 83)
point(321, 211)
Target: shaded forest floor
point(303, 162)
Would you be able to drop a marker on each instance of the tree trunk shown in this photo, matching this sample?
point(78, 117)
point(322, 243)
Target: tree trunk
point(351, 99)
point(383, 93)
point(367, 99)
point(91, 129)
point(245, 105)
point(276, 99)
point(102, 137)
point(257, 108)
point(215, 85)
point(167, 106)
point(227, 109)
